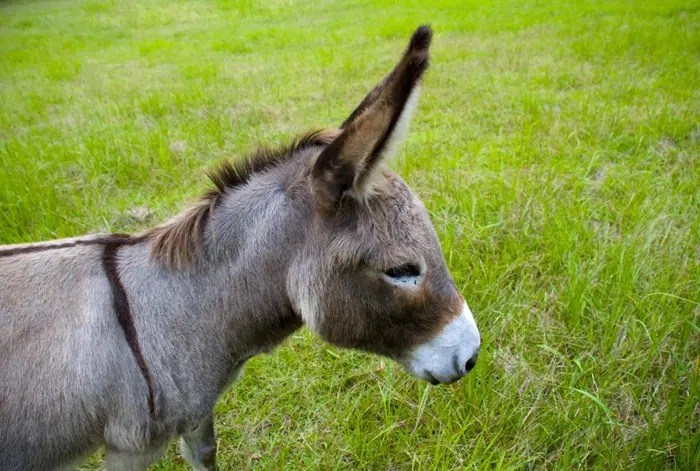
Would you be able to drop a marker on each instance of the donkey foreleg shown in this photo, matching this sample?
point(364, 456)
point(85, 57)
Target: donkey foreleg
point(199, 446)
point(131, 461)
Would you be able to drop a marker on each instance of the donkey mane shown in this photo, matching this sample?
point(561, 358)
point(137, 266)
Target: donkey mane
point(178, 242)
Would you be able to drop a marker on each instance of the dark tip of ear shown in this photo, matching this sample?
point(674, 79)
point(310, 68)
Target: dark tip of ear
point(420, 41)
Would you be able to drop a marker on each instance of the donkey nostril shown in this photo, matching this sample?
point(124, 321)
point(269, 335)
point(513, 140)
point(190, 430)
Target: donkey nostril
point(471, 363)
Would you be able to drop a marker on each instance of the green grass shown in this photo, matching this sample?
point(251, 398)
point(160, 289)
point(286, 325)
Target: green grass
point(557, 147)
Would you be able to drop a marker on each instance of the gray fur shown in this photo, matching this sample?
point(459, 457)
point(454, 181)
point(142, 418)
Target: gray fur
point(311, 238)
point(69, 380)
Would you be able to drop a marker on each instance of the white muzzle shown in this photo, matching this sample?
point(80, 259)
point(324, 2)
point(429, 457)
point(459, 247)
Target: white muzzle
point(451, 354)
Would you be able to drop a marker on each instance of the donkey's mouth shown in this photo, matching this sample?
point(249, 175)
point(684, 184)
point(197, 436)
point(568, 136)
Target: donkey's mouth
point(431, 379)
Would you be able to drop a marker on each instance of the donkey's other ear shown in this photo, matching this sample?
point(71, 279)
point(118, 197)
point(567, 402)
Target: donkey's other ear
point(372, 129)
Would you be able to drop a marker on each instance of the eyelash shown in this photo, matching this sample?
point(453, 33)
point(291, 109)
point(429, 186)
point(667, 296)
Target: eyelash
point(407, 270)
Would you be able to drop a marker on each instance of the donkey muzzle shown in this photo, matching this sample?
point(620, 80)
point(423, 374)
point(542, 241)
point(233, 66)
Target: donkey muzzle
point(451, 354)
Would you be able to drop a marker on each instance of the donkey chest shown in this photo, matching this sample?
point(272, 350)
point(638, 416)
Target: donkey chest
point(186, 413)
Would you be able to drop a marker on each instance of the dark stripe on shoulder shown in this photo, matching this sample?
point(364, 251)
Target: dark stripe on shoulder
point(121, 307)
point(122, 239)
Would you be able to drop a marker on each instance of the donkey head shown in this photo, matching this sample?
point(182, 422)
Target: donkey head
point(371, 274)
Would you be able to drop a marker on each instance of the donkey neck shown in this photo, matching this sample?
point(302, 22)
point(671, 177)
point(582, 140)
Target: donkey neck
point(232, 303)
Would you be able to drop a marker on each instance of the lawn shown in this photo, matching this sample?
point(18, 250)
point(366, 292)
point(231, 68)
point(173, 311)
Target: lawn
point(556, 146)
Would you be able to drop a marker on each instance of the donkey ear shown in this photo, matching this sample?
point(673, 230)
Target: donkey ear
point(373, 128)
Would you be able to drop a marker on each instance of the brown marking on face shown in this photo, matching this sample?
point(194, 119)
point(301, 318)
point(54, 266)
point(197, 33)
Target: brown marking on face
point(358, 307)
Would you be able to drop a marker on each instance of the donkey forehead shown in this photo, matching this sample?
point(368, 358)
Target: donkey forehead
point(395, 212)
point(390, 223)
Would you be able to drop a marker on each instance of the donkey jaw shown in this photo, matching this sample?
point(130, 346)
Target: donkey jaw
point(451, 354)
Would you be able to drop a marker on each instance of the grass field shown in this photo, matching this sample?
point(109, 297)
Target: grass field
point(556, 146)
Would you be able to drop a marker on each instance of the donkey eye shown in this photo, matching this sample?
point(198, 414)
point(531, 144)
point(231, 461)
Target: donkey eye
point(407, 270)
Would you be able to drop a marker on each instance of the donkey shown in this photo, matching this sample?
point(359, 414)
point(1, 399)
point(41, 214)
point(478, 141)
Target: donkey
point(127, 341)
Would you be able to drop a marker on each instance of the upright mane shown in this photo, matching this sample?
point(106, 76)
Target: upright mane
point(177, 242)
